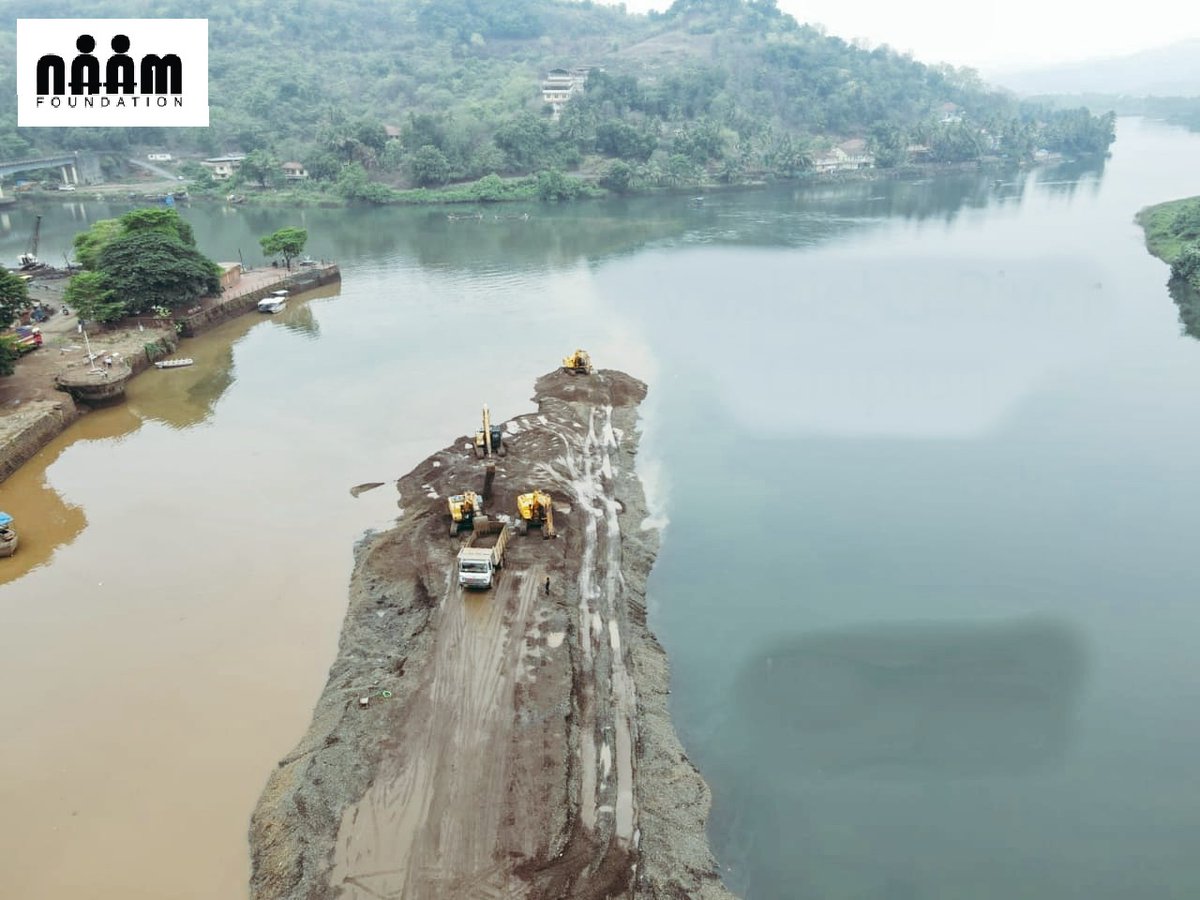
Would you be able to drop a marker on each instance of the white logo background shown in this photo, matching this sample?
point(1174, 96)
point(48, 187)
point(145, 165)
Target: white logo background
point(187, 38)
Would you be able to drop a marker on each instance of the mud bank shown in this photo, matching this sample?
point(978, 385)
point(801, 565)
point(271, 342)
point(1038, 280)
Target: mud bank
point(25, 432)
point(515, 742)
point(48, 412)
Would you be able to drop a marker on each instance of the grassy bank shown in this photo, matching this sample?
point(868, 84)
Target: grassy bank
point(1165, 228)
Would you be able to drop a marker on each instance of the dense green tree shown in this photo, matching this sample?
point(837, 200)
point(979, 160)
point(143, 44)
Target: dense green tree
point(889, 145)
point(153, 267)
point(260, 166)
point(624, 141)
point(956, 142)
point(1186, 266)
point(323, 166)
point(1186, 224)
point(14, 297)
point(88, 244)
point(553, 185)
point(9, 354)
point(353, 184)
point(424, 129)
point(618, 177)
point(680, 170)
point(286, 242)
point(525, 141)
point(161, 219)
point(92, 298)
point(700, 142)
point(429, 167)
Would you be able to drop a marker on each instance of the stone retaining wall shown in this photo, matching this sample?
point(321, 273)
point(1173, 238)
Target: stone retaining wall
point(32, 428)
point(299, 280)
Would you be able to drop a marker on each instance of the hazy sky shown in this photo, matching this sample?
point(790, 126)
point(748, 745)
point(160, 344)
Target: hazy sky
point(993, 35)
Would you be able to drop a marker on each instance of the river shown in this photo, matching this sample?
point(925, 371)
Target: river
point(926, 460)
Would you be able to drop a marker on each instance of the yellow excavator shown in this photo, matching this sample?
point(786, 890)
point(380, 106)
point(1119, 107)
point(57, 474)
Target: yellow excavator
point(463, 509)
point(489, 440)
point(578, 363)
point(535, 510)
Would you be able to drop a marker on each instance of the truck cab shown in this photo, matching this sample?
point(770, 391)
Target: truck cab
point(476, 569)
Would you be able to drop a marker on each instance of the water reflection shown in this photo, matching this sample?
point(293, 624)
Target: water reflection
point(847, 753)
point(1067, 177)
point(942, 700)
point(298, 318)
point(45, 520)
point(507, 237)
point(1187, 299)
point(184, 397)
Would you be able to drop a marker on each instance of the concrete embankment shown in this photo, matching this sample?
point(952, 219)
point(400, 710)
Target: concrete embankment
point(26, 431)
point(244, 298)
point(514, 742)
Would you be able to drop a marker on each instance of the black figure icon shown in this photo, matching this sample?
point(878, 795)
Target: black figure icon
point(119, 78)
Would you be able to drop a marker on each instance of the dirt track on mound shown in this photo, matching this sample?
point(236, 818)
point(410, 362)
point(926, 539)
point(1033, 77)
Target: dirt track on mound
point(516, 742)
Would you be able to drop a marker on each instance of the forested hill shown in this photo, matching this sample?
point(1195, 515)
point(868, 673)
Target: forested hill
point(433, 91)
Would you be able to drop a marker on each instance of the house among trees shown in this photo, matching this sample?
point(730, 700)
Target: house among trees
point(951, 115)
point(158, 157)
point(847, 156)
point(560, 85)
point(294, 171)
point(223, 167)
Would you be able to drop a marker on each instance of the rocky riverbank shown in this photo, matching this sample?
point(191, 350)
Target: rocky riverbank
point(515, 742)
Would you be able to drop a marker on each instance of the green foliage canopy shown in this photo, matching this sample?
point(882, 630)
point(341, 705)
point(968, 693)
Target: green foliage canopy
point(14, 297)
point(152, 267)
point(93, 299)
point(286, 242)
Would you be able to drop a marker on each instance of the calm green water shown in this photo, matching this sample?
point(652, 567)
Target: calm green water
point(927, 452)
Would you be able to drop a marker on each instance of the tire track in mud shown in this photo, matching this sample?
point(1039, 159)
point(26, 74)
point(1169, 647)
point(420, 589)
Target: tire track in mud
point(607, 699)
point(428, 825)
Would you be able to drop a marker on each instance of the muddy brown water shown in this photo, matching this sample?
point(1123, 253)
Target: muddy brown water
point(926, 453)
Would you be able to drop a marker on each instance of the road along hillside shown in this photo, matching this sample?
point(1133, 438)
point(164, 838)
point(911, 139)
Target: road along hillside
point(514, 742)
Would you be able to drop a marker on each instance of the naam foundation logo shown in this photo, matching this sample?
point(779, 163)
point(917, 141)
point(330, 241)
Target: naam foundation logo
point(112, 73)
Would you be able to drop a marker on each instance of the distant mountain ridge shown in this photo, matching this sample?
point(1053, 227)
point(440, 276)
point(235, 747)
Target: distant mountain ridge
point(1170, 71)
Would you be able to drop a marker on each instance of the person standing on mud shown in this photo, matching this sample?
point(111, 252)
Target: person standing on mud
point(547, 585)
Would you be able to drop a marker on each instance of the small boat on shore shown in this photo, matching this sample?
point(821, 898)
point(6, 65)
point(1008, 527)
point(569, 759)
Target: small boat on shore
point(273, 302)
point(172, 363)
point(8, 537)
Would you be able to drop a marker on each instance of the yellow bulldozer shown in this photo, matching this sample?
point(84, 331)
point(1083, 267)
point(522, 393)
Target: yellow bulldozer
point(578, 363)
point(535, 510)
point(463, 509)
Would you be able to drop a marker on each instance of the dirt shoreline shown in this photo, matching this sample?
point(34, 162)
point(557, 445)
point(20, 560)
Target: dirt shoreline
point(515, 743)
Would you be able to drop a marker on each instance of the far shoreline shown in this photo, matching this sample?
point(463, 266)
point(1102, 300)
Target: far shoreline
point(523, 189)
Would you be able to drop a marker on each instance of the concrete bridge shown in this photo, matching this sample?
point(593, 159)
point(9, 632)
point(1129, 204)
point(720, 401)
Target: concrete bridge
point(68, 163)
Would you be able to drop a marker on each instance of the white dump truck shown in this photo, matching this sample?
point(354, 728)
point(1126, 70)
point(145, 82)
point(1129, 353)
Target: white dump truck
point(477, 566)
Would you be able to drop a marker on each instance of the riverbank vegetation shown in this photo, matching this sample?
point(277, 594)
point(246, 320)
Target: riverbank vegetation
point(1183, 111)
point(446, 101)
point(14, 297)
point(145, 260)
point(1173, 235)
